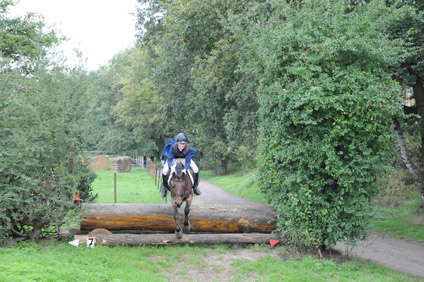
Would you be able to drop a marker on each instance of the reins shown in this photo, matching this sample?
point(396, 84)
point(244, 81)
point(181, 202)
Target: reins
point(185, 188)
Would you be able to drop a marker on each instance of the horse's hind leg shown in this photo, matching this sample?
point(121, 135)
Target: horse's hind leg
point(187, 225)
point(178, 232)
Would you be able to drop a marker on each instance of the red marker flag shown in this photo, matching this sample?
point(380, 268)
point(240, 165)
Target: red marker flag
point(274, 242)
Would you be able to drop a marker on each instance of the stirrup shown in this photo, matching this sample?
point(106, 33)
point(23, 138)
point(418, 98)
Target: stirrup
point(197, 191)
point(164, 192)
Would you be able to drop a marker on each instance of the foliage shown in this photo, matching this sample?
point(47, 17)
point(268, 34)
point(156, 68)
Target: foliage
point(41, 137)
point(409, 26)
point(226, 112)
point(106, 131)
point(195, 73)
point(140, 106)
point(23, 39)
point(326, 105)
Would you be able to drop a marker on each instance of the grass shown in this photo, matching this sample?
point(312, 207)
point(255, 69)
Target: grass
point(403, 221)
point(136, 186)
point(244, 185)
point(309, 268)
point(62, 262)
point(59, 261)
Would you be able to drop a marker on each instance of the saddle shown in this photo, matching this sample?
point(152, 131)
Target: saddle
point(172, 170)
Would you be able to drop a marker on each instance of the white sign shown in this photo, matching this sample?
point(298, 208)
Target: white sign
point(91, 241)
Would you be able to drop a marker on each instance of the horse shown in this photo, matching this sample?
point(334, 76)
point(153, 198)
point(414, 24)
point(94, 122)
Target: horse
point(181, 191)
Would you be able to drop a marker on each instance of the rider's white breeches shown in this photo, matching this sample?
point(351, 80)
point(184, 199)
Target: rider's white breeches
point(192, 165)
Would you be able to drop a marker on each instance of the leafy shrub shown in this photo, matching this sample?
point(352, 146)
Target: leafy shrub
point(326, 107)
point(41, 137)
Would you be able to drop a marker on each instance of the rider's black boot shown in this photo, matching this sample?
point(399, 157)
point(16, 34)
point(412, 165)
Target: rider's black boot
point(165, 186)
point(196, 189)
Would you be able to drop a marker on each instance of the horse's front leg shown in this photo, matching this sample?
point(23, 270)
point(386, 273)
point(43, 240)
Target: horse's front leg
point(178, 232)
point(187, 225)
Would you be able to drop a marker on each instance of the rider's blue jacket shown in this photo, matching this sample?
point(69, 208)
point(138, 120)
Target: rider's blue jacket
point(191, 153)
point(168, 146)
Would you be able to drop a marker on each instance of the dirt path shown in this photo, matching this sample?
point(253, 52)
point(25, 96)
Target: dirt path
point(400, 255)
point(215, 196)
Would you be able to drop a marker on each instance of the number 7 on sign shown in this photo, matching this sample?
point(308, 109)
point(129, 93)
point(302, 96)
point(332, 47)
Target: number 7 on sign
point(91, 241)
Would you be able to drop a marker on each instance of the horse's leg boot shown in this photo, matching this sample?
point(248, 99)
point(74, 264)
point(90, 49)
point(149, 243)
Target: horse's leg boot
point(196, 189)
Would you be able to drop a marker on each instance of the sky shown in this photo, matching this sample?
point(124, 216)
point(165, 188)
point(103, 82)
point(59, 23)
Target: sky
point(97, 28)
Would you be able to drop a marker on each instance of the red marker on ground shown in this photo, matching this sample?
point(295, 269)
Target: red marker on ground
point(274, 242)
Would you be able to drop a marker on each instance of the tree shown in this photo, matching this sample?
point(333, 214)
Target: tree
point(327, 99)
point(140, 106)
point(41, 144)
point(41, 110)
point(107, 132)
point(409, 26)
point(196, 77)
point(23, 39)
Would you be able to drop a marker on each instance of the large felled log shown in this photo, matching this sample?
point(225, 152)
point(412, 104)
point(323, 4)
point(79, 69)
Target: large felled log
point(170, 239)
point(159, 217)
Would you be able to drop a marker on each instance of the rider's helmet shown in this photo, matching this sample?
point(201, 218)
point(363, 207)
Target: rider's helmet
point(181, 138)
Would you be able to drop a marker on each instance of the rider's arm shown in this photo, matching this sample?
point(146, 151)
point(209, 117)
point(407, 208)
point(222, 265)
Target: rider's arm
point(168, 146)
point(171, 156)
point(191, 153)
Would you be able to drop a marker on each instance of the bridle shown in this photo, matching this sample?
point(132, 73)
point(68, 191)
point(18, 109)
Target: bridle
point(184, 195)
point(178, 195)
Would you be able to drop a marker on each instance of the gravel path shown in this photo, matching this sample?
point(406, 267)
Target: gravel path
point(400, 255)
point(215, 196)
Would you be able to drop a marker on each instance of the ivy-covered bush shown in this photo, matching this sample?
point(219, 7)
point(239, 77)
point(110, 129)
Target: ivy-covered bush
point(41, 135)
point(326, 107)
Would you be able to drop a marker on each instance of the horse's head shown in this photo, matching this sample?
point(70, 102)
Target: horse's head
point(179, 170)
point(179, 184)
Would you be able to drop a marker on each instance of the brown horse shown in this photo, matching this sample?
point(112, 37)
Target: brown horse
point(181, 191)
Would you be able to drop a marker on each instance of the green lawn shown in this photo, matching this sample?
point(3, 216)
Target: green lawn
point(403, 221)
point(59, 261)
point(63, 262)
point(244, 185)
point(136, 186)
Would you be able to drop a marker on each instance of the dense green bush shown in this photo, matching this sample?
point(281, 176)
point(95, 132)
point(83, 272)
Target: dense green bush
point(326, 108)
point(41, 168)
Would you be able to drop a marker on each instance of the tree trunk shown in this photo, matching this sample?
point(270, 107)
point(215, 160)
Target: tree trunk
point(170, 239)
point(159, 217)
point(404, 149)
point(37, 229)
point(418, 89)
point(223, 168)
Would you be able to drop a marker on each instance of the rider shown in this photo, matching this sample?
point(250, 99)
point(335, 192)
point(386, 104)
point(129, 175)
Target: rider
point(181, 149)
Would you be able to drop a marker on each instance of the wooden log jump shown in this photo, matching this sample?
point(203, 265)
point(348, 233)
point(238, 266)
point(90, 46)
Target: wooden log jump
point(170, 239)
point(159, 217)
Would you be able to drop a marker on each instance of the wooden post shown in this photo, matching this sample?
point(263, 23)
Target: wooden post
point(114, 174)
point(156, 178)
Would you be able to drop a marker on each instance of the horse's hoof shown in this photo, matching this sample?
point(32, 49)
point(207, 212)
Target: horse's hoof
point(179, 234)
point(187, 228)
